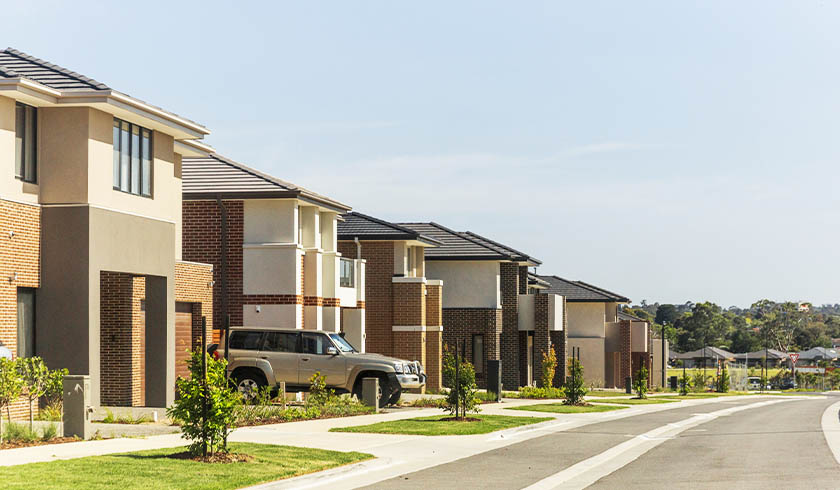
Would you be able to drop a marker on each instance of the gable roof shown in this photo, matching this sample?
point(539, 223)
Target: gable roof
point(581, 292)
point(535, 281)
point(759, 354)
point(818, 353)
point(628, 317)
point(216, 176)
point(364, 227)
point(455, 245)
point(711, 353)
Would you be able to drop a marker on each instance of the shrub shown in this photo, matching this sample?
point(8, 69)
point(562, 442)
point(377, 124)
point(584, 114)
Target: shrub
point(49, 432)
point(699, 381)
point(425, 402)
point(19, 432)
point(206, 433)
point(35, 376)
point(685, 384)
point(722, 384)
point(540, 393)
point(549, 366)
point(448, 367)
point(640, 382)
point(463, 397)
point(575, 385)
point(318, 392)
point(11, 387)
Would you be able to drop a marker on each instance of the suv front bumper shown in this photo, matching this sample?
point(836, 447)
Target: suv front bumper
point(411, 381)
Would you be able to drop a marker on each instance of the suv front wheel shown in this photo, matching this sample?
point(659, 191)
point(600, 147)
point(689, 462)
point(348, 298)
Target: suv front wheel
point(249, 382)
point(386, 397)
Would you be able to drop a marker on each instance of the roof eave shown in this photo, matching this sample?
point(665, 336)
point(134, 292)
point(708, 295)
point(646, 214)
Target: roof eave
point(240, 195)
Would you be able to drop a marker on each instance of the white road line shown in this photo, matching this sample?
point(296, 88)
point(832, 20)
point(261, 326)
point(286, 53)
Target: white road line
point(588, 471)
point(831, 429)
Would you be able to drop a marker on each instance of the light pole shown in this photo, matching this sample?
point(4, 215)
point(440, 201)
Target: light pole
point(664, 363)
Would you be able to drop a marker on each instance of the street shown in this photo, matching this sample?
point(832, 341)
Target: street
point(767, 442)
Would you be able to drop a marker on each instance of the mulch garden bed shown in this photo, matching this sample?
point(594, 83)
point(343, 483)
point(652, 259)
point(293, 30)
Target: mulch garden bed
point(19, 444)
point(222, 458)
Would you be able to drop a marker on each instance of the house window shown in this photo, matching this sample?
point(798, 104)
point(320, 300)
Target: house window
point(132, 159)
point(25, 322)
point(478, 353)
point(347, 273)
point(26, 127)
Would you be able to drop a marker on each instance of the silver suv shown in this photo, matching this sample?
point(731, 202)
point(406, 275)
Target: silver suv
point(267, 356)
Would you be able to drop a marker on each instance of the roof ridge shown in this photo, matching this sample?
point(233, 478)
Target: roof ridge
point(602, 290)
point(460, 234)
point(523, 254)
point(52, 66)
point(385, 223)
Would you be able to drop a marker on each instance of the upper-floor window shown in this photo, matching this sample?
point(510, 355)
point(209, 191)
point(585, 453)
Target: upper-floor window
point(132, 158)
point(347, 273)
point(26, 156)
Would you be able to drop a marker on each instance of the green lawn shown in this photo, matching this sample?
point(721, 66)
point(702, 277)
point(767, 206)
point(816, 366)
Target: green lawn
point(631, 401)
point(561, 408)
point(607, 393)
point(434, 426)
point(148, 470)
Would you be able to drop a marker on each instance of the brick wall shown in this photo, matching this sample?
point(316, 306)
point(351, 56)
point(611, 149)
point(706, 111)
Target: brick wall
point(509, 273)
point(202, 243)
point(121, 339)
point(379, 269)
point(542, 339)
point(460, 324)
point(192, 285)
point(560, 345)
point(19, 254)
point(626, 367)
point(434, 337)
point(523, 279)
point(409, 303)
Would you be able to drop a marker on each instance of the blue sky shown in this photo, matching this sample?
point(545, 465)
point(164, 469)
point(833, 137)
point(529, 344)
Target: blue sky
point(667, 151)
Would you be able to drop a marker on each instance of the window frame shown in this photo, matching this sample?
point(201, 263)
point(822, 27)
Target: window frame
point(34, 346)
point(352, 277)
point(23, 176)
point(143, 183)
point(260, 342)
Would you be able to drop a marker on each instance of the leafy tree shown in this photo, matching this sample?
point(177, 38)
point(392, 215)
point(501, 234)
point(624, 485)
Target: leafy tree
point(704, 325)
point(640, 382)
point(685, 384)
point(722, 383)
point(448, 367)
point(11, 387)
point(575, 385)
point(36, 378)
point(549, 366)
point(666, 314)
point(208, 431)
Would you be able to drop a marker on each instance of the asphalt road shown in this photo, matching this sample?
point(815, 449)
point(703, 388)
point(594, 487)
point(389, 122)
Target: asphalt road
point(776, 444)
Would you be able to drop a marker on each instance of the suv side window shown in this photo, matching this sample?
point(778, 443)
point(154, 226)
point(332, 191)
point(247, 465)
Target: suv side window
point(281, 342)
point(315, 343)
point(245, 340)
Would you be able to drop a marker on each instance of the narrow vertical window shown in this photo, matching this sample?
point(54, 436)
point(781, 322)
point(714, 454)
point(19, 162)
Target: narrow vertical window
point(26, 133)
point(147, 163)
point(125, 169)
point(478, 353)
point(25, 322)
point(116, 154)
point(135, 159)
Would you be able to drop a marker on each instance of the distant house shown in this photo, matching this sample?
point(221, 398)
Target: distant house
point(775, 358)
point(708, 357)
point(811, 357)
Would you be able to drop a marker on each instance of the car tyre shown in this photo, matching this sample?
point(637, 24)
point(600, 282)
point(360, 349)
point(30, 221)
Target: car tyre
point(249, 382)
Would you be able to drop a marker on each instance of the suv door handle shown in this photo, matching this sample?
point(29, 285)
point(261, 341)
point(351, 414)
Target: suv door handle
point(304, 358)
point(263, 357)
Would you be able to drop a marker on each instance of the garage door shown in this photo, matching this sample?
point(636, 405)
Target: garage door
point(183, 337)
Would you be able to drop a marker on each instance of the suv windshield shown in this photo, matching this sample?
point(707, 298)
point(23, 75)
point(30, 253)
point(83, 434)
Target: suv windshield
point(342, 344)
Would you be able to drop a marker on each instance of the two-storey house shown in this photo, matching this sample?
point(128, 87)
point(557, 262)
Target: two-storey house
point(273, 246)
point(612, 345)
point(91, 273)
point(486, 305)
point(402, 305)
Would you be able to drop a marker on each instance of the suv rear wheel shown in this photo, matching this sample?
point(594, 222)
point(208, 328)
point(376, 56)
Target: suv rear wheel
point(249, 382)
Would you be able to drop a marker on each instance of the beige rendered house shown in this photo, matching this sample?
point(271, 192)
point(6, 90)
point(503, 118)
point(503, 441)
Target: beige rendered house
point(91, 273)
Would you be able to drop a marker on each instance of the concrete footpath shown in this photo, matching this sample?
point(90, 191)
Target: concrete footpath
point(395, 454)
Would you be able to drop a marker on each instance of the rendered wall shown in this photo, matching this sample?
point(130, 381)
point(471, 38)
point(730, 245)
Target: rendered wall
point(585, 319)
point(469, 284)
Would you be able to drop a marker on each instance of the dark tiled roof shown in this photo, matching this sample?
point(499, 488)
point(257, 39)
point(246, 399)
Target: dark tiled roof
point(579, 291)
point(364, 227)
point(16, 64)
point(627, 316)
point(711, 353)
point(818, 353)
point(502, 248)
point(454, 245)
point(535, 280)
point(217, 176)
point(759, 354)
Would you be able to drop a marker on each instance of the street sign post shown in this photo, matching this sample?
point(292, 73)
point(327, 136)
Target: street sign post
point(794, 356)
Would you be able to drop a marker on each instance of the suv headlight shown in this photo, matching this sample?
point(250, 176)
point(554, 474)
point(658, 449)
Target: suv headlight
point(398, 367)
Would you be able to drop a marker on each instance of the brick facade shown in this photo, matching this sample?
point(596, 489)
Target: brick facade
point(192, 285)
point(509, 278)
point(434, 337)
point(460, 324)
point(378, 305)
point(20, 267)
point(626, 362)
point(202, 242)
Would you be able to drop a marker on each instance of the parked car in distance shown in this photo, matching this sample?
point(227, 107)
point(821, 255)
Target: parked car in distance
point(268, 356)
point(754, 383)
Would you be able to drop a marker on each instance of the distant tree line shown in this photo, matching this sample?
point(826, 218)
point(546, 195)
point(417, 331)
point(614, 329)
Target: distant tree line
point(786, 326)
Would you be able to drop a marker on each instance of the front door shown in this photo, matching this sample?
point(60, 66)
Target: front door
point(183, 338)
point(314, 358)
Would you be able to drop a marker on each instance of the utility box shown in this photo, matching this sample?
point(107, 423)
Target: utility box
point(77, 409)
point(370, 393)
point(628, 385)
point(494, 377)
point(672, 381)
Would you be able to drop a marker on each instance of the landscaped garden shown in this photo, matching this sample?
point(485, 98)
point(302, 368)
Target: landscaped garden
point(175, 468)
point(564, 408)
point(28, 378)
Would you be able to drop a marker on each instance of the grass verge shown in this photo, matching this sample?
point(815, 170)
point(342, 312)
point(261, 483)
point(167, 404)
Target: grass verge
point(595, 393)
point(631, 401)
point(435, 426)
point(156, 469)
point(561, 408)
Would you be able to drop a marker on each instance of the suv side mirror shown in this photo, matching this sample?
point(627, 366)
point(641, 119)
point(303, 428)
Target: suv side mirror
point(332, 351)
